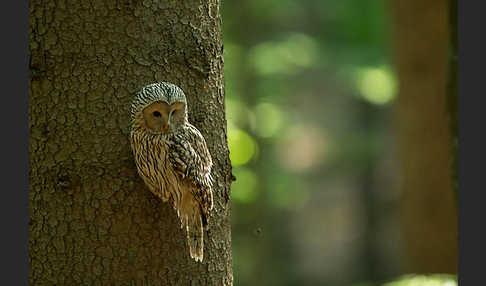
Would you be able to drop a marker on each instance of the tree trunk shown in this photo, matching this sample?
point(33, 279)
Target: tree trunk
point(421, 38)
point(92, 220)
point(452, 90)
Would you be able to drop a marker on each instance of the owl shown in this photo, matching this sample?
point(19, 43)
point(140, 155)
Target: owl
point(172, 158)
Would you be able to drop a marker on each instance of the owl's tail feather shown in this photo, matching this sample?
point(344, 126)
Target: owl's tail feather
point(191, 221)
point(194, 230)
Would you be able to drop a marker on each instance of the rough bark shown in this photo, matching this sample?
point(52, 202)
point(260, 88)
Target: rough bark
point(92, 220)
point(421, 38)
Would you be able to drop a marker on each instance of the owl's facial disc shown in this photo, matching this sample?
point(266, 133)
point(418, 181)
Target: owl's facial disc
point(156, 117)
point(175, 113)
point(161, 117)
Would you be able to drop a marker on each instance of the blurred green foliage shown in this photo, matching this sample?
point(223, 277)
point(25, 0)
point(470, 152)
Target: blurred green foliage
point(422, 280)
point(417, 280)
point(308, 90)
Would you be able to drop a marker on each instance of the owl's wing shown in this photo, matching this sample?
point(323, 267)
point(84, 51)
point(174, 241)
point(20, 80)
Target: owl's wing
point(190, 158)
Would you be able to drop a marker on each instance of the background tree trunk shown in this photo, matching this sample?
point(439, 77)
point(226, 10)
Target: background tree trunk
point(452, 90)
point(92, 220)
point(421, 39)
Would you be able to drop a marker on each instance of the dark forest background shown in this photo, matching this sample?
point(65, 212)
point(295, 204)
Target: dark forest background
point(339, 139)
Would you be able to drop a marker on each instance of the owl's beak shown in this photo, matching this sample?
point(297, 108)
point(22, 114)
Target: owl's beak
point(165, 127)
point(165, 123)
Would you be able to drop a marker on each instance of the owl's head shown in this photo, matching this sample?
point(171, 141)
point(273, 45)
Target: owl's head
point(159, 108)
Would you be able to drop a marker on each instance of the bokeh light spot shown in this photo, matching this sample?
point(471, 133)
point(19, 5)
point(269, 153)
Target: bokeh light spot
point(284, 57)
point(376, 85)
point(244, 189)
point(288, 192)
point(302, 148)
point(269, 118)
point(422, 280)
point(242, 147)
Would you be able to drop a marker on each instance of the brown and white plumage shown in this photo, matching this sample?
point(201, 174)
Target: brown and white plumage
point(172, 158)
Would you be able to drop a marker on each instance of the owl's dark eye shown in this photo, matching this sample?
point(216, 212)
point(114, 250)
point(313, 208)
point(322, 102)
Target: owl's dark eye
point(157, 114)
